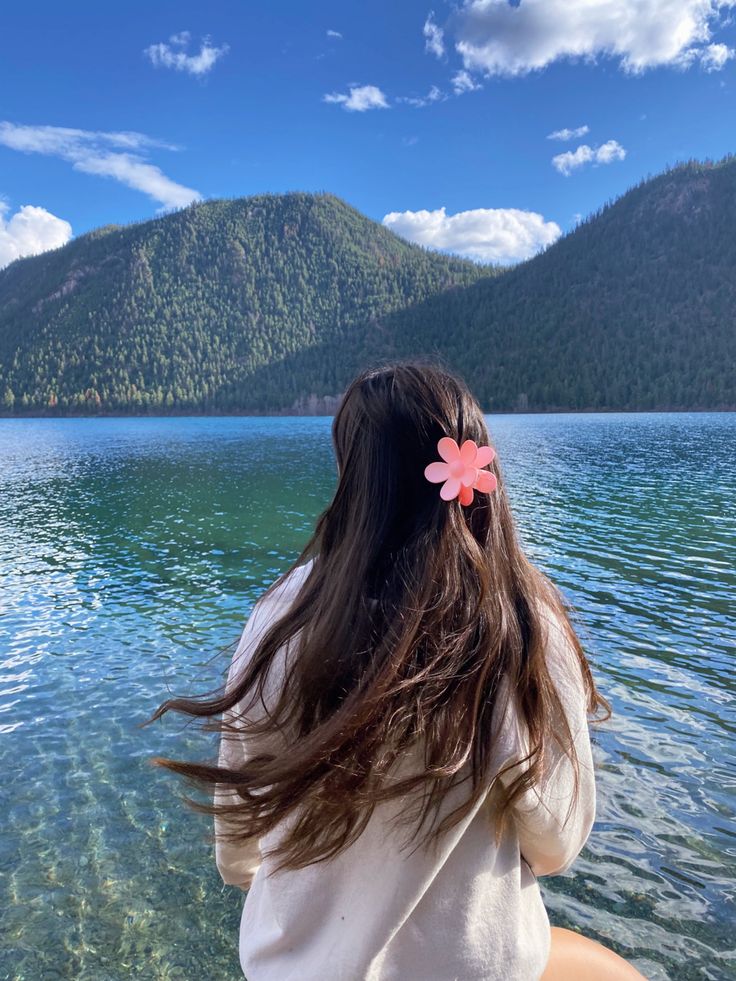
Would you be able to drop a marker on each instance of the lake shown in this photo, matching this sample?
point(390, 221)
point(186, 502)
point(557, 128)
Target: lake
point(131, 551)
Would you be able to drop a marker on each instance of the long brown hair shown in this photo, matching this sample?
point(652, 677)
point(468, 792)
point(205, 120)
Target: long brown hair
point(411, 614)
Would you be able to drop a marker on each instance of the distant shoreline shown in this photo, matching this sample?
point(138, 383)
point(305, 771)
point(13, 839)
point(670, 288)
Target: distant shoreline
point(290, 414)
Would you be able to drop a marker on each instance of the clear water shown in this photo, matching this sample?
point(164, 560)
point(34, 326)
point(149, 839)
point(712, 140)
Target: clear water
point(132, 550)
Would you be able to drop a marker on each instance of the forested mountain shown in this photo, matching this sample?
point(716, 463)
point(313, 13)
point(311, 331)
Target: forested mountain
point(635, 309)
point(272, 302)
point(179, 312)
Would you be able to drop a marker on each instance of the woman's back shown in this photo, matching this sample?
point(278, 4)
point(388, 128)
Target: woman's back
point(404, 726)
point(462, 906)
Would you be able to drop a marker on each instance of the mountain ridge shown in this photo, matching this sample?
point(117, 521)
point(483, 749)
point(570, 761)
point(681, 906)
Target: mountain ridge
point(271, 303)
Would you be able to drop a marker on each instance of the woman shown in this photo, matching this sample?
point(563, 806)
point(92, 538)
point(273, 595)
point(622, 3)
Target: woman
point(405, 742)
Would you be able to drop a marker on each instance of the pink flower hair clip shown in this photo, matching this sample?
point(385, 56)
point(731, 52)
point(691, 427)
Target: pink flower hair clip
point(462, 471)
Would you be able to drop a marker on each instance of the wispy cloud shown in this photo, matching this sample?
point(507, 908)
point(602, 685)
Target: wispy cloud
point(715, 56)
point(173, 55)
point(434, 95)
point(335, 34)
point(500, 38)
point(359, 98)
point(463, 81)
point(30, 231)
point(434, 36)
point(119, 155)
point(584, 154)
point(568, 134)
point(501, 235)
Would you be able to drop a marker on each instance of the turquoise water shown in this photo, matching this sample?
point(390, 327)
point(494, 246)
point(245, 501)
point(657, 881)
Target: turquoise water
point(131, 551)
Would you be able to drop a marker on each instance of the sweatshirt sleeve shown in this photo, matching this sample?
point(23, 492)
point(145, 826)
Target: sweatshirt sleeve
point(237, 863)
point(551, 830)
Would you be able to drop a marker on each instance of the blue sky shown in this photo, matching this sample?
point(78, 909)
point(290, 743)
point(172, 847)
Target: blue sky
point(402, 109)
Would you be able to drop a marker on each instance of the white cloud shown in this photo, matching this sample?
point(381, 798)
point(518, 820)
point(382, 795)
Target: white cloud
point(572, 159)
point(117, 155)
point(715, 56)
point(611, 150)
point(139, 175)
point(500, 235)
point(463, 81)
point(30, 231)
point(336, 34)
point(434, 95)
point(498, 38)
point(360, 98)
point(64, 141)
point(434, 36)
point(712, 57)
point(165, 56)
point(568, 134)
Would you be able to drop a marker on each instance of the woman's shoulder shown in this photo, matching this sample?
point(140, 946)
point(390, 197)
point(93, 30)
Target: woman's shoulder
point(282, 592)
point(286, 587)
point(268, 609)
point(558, 632)
point(564, 657)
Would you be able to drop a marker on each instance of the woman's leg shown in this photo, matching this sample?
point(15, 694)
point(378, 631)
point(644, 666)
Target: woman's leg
point(576, 958)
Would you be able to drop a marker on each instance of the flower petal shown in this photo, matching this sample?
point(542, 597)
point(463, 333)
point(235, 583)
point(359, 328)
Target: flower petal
point(469, 476)
point(485, 455)
point(486, 482)
point(467, 452)
point(450, 489)
point(466, 495)
point(437, 472)
point(448, 449)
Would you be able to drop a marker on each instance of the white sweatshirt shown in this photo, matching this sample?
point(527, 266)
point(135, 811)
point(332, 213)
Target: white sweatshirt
point(464, 910)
